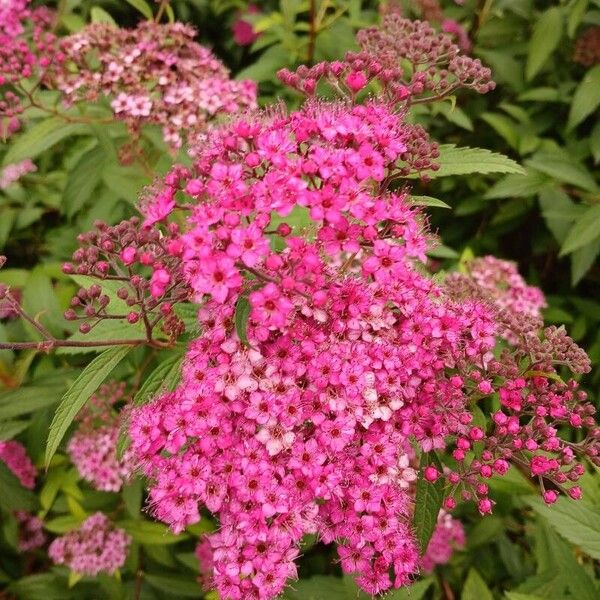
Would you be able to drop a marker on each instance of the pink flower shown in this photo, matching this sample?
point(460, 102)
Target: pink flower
point(243, 31)
point(269, 306)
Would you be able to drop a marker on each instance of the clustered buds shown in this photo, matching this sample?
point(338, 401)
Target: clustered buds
point(155, 73)
point(143, 267)
point(96, 547)
point(14, 455)
point(27, 47)
point(448, 536)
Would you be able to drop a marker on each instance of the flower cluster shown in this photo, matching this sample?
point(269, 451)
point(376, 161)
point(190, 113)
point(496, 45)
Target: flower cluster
point(93, 447)
point(155, 73)
point(448, 536)
point(27, 47)
point(96, 547)
point(31, 531)
point(12, 173)
point(14, 455)
point(143, 262)
point(300, 423)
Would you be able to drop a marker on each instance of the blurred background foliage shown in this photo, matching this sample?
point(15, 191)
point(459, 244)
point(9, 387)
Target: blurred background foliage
point(545, 57)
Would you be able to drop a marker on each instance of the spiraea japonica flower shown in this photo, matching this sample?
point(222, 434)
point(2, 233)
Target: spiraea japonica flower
point(154, 73)
point(97, 546)
point(14, 456)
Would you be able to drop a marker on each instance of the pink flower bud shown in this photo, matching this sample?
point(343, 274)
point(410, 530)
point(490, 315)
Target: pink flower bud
point(575, 492)
point(449, 503)
point(133, 317)
point(476, 434)
point(356, 81)
point(550, 496)
point(128, 255)
point(431, 473)
point(484, 506)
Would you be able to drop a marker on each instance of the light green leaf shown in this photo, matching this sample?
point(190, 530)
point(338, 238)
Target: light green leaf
point(143, 7)
point(475, 588)
point(416, 591)
point(576, 14)
point(163, 379)
point(102, 332)
point(577, 522)
point(546, 36)
point(562, 167)
point(594, 140)
point(428, 501)
point(147, 532)
point(585, 230)
point(79, 393)
point(26, 400)
point(465, 160)
point(42, 136)
point(62, 524)
point(99, 15)
point(519, 596)
point(586, 98)
point(429, 201)
point(504, 127)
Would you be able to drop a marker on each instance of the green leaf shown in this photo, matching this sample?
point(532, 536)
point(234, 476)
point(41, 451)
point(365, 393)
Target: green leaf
point(271, 60)
point(519, 596)
point(132, 495)
point(42, 136)
point(164, 378)
point(82, 180)
point(416, 591)
point(558, 210)
point(582, 260)
point(504, 127)
point(40, 301)
point(62, 524)
point(429, 201)
point(10, 429)
point(99, 15)
point(465, 160)
point(27, 399)
point(428, 502)
point(594, 140)
point(147, 532)
point(586, 98)
point(547, 32)
point(475, 588)
point(79, 393)
point(242, 312)
point(585, 230)
point(562, 167)
point(102, 332)
point(577, 522)
point(175, 586)
point(322, 587)
point(13, 496)
point(576, 14)
point(143, 7)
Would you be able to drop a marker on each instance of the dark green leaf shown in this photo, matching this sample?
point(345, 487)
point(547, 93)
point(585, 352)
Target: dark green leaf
point(547, 32)
point(242, 312)
point(147, 532)
point(163, 379)
point(13, 496)
point(586, 98)
point(585, 230)
point(143, 7)
point(428, 502)
point(475, 588)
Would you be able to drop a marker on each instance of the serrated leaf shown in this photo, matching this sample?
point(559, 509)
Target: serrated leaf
point(79, 393)
point(104, 331)
point(546, 36)
point(143, 7)
point(242, 312)
point(561, 167)
point(428, 502)
point(577, 522)
point(586, 98)
point(42, 136)
point(13, 496)
point(465, 160)
point(147, 532)
point(584, 231)
point(164, 378)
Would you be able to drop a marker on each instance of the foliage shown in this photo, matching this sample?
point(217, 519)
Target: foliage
point(518, 178)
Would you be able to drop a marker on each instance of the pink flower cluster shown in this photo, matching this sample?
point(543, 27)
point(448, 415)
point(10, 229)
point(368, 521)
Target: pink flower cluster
point(96, 547)
point(93, 447)
point(12, 173)
point(155, 73)
point(448, 536)
point(14, 455)
point(304, 428)
point(31, 531)
point(27, 46)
